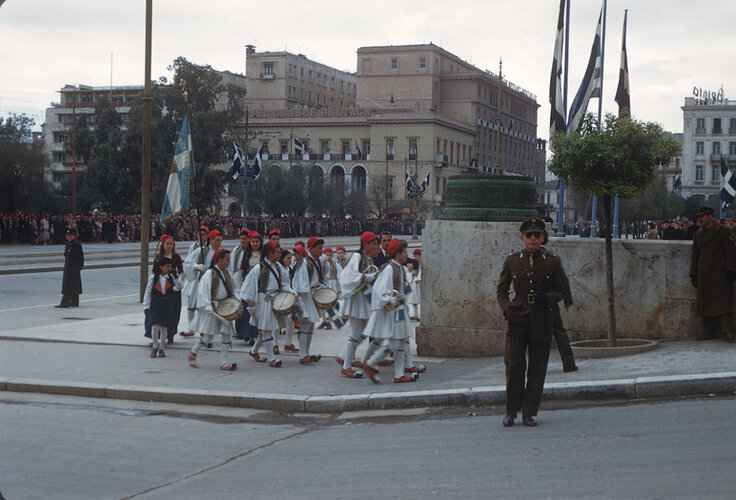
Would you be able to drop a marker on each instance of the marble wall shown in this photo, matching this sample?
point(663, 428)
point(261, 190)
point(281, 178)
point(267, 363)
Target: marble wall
point(462, 261)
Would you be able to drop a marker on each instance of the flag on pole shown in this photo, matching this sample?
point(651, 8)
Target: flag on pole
point(409, 184)
point(728, 192)
point(236, 167)
point(591, 84)
point(424, 184)
point(357, 148)
point(176, 199)
point(677, 183)
point(257, 166)
point(557, 114)
point(623, 97)
point(299, 147)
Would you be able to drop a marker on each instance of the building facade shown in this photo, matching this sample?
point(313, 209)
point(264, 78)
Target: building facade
point(709, 131)
point(281, 80)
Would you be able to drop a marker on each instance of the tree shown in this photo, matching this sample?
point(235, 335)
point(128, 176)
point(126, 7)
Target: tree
point(616, 158)
point(21, 164)
point(654, 203)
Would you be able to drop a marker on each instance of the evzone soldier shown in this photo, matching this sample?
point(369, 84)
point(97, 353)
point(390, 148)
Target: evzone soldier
point(284, 266)
point(331, 273)
point(342, 258)
point(538, 284)
point(215, 285)
point(236, 265)
point(391, 324)
point(202, 249)
point(415, 296)
point(158, 301)
point(260, 286)
point(307, 279)
point(356, 284)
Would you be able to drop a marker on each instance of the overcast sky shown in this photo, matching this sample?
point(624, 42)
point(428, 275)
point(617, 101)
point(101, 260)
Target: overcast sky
point(673, 45)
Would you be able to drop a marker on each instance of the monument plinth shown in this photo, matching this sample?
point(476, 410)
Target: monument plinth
point(462, 258)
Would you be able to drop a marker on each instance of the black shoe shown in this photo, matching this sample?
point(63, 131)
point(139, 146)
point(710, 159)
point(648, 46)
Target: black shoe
point(508, 420)
point(568, 369)
point(61, 306)
point(529, 421)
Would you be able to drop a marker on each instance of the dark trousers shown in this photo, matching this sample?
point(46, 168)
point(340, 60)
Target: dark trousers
point(70, 300)
point(524, 384)
point(561, 339)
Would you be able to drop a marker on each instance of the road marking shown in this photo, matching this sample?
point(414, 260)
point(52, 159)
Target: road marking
point(81, 301)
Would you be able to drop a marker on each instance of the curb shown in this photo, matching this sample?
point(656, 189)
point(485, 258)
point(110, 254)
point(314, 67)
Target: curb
point(31, 270)
point(636, 388)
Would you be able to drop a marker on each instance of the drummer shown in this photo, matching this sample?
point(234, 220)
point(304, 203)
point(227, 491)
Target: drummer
point(216, 285)
point(196, 263)
point(260, 286)
point(284, 266)
point(331, 273)
point(307, 279)
point(357, 307)
point(342, 258)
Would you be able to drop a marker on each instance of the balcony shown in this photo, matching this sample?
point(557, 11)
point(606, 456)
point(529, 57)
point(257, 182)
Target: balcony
point(700, 131)
point(715, 157)
point(267, 76)
point(717, 131)
point(440, 160)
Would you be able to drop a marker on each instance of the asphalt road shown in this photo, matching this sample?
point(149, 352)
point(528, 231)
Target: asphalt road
point(84, 448)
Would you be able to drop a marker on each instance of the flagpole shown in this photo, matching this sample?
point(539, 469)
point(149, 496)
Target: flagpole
point(146, 160)
point(185, 95)
point(561, 182)
point(244, 210)
point(594, 208)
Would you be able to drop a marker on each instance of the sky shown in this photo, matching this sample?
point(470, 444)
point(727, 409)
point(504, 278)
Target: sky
point(673, 45)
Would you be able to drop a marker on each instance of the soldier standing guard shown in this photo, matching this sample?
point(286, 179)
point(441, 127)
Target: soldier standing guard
point(537, 278)
point(712, 272)
point(71, 284)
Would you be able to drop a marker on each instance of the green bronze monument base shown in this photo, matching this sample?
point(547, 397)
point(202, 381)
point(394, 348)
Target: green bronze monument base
point(501, 198)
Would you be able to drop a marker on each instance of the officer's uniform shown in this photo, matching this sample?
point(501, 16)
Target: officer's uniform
point(538, 284)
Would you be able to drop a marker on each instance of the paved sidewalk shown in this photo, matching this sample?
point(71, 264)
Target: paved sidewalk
point(109, 358)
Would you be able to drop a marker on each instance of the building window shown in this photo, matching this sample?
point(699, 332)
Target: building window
point(324, 146)
point(732, 148)
point(284, 147)
point(700, 126)
point(412, 149)
point(717, 126)
point(699, 173)
point(732, 127)
point(268, 70)
point(393, 65)
point(716, 148)
point(366, 147)
point(342, 86)
point(346, 146)
point(422, 63)
point(264, 147)
point(310, 96)
point(438, 145)
point(59, 137)
point(699, 148)
point(389, 149)
point(716, 173)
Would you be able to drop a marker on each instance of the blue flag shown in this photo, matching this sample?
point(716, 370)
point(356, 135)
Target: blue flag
point(257, 166)
point(176, 199)
point(236, 167)
point(728, 192)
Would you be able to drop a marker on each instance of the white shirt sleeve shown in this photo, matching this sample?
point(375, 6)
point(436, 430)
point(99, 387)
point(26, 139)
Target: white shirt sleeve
point(147, 294)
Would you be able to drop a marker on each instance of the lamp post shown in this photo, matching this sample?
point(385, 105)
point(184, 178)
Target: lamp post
point(146, 160)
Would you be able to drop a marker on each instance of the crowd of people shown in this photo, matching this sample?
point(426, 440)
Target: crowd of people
point(44, 229)
point(674, 229)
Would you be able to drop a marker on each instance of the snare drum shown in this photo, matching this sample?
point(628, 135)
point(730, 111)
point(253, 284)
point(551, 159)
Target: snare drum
point(325, 298)
point(228, 309)
point(283, 303)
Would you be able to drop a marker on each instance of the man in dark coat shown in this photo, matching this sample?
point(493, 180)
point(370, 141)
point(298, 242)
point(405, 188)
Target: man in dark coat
point(71, 285)
point(712, 272)
point(538, 284)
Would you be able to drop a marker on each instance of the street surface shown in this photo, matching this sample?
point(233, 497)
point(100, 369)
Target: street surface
point(63, 447)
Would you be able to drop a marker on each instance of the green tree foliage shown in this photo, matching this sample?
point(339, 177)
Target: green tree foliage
point(654, 203)
point(616, 157)
point(21, 165)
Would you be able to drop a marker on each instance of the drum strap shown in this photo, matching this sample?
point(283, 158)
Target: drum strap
point(311, 266)
point(263, 277)
point(365, 262)
point(398, 277)
point(202, 256)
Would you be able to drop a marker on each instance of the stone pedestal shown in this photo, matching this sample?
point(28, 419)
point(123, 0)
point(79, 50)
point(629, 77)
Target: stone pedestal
point(461, 262)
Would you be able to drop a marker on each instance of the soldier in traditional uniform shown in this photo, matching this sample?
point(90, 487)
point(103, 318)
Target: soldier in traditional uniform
point(537, 279)
point(342, 258)
point(712, 272)
point(71, 284)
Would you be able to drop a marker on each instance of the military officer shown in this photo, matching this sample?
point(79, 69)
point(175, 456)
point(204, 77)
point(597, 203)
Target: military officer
point(537, 279)
point(712, 272)
point(71, 284)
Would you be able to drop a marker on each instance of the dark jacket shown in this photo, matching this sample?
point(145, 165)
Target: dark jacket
point(713, 254)
point(73, 263)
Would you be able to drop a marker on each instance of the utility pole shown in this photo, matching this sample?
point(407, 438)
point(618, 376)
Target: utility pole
point(244, 210)
point(74, 155)
point(498, 119)
point(146, 160)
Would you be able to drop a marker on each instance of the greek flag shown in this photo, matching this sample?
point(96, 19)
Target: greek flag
point(236, 166)
point(728, 192)
point(677, 183)
point(424, 184)
point(176, 199)
point(623, 98)
point(257, 166)
point(557, 114)
point(591, 84)
point(409, 184)
point(299, 147)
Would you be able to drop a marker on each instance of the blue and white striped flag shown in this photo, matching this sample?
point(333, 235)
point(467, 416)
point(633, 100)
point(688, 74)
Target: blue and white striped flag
point(236, 167)
point(557, 113)
point(299, 147)
point(677, 183)
point(728, 192)
point(257, 166)
point(424, 184)
point(176, 199)
point(591, 84)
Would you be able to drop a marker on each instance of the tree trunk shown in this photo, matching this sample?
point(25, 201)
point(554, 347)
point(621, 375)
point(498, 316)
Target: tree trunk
point(609, 270)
